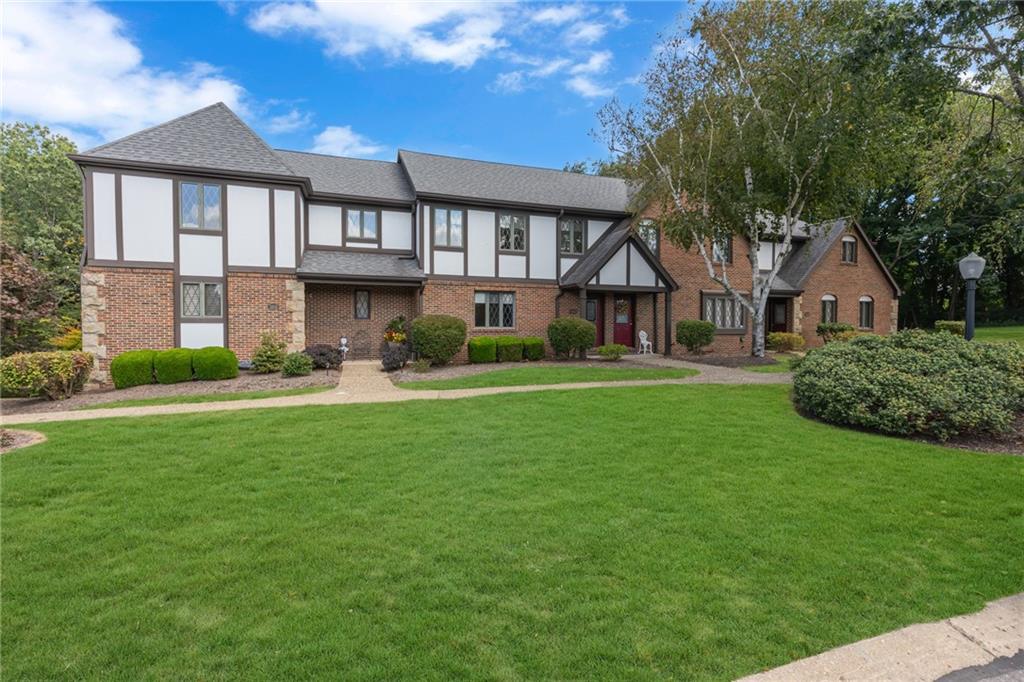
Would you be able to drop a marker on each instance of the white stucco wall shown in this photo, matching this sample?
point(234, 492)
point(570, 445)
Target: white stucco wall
point(147, 218)
point(595, 228)
point(201, 334)
point(614, 271)
point(324, 225)
point(640, 273)
point(567, 263)
point(448, 263)
point(284, 228)
point(481, 243)
point(511, 266)
point(396, 230)
point(248, 226)
point(201, 255)
point(543, 247)
point(104, 218)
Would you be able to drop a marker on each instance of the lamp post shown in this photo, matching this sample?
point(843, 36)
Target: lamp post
point(971, 267)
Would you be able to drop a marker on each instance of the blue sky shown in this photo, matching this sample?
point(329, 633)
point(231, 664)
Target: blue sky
point(501, 81)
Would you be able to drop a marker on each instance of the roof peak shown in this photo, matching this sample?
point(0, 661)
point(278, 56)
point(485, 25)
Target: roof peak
point(158, 126)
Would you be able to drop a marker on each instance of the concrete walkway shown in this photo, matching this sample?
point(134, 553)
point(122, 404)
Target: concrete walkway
point(986, 645)
point(364, 382)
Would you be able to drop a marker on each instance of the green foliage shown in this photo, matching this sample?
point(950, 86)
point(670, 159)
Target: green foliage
point(695, 335)
point(69, 338)
point(269, 355)
point(482, 349)
point(911, 383)
point(785, 341)
point(27, 300)
point(54, 375)
point(421, 365)
point(397, 324)
point(438, 337)
point(214, 363)
point(173, 366)
point(133, 368)
point(828, 330)
point(849, 335)
point(612, 351)
point(324, 356)
point(571, 336)
point(533, 348)
point(509, 348)
point(956, 327)
point(297, 364)
point(394, 357)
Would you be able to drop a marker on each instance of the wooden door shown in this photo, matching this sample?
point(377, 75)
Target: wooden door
point(777, 317)
point(595, 313)
point(623, 327)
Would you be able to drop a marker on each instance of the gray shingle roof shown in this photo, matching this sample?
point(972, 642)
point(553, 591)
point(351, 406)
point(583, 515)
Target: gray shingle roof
point(502, 182)
point(357, 265)
point(212, 137)
point(351, 177)
point(584, 269)
point(805, 256)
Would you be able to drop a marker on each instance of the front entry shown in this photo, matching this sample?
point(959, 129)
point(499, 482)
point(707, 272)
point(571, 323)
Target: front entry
point(595, 314)
point(778, 319)
point(623, 327)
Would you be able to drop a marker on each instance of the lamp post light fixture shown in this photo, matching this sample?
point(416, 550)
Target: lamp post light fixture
point(971, 267)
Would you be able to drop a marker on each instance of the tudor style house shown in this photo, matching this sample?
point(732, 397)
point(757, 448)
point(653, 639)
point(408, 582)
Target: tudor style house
point(198, 233)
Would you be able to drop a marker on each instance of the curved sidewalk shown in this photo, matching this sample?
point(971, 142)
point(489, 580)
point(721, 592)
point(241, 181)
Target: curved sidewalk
point(364, 382)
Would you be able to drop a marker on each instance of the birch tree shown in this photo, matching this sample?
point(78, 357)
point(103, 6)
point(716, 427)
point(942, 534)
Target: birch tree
point(753, 121)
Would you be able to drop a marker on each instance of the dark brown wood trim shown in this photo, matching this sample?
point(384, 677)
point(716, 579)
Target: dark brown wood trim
point(629, 257)
point(256, 268)
point(298, 230)
point(490, 281)
point(538, 209)
point(668, 323)
point(154, 265)
point(364, 280)
point(202, 232)
point(224, 246)
point(119, 215)
point(89, 209)
point(169, 170)
point(273, 227)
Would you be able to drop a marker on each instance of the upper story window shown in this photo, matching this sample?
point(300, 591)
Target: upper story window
point(494, 309)
point(725, 311)
point(360, 224)
point(571, 236)
point(721, 250)
point(849, 250)
point(512, 232)
point(448, 224)
point(867, 312)
point(202, 299)
point(829, 308)
point(200, 206)
point(767, 252)
point(647, 230)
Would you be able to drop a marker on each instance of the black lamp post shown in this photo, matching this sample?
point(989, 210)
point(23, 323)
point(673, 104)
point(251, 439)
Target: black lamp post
point(971, 267)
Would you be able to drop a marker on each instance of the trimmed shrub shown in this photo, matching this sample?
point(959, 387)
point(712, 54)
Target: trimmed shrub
point(421, 365)
point(533, 348)
point(173, 366)
point(785, 341)
point(571, 336)
point(438, 337)
point(297, 364)
point(957, 327)
point(828, 330)
point(214, 363)
point(269, 355)
point(483, 349)
point(324, 356)
point(912, 382)
point(843, 337)
point(696, 335)
point(394, 357)
point(133, 368)
point(509, 348)
point(54, 375)
point(612, 351)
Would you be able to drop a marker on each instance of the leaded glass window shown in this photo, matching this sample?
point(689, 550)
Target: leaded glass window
point(494, 309)
point(202, 299)
point(362, 304)
point(725, 311)
point(200, 206)
point(571, 233)
point(448, 227)
point(191, 300)
point(511, 232)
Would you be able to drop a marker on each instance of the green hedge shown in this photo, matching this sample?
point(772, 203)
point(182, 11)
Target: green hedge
point(696, 335)
point(173, 366)
point(438, 338)
point(133, 368)
point(214, 363)
point(785, 341)
point(510, 348)
point(612, 351)
point(483, 349)
point(913, 382)
point(829, 330)
point(54, 375)
point(297, 365)
point(958, 327)
point(533, 348)
point(571, 336)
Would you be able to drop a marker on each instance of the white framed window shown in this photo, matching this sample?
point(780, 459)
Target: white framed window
point(448, 224)
point(725, 311)
point(849, 248)
point(829, 308)
point(360, 224)
point(867, 312)
point(721, 250)
point(571, 236)
point(494, 309)
point(199, 206)
point(202, 299)
point(647, 230)
point(512, 232)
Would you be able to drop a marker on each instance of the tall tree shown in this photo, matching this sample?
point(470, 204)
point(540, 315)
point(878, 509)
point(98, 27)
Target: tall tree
point(27, 303)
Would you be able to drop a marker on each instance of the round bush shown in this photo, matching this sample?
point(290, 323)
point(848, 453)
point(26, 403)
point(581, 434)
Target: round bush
point(785, 341)
point(297, 365)
point(958, 327)
point(438, 337)
point(173, 366)
point(612, 351)
point(509, 348)
point(133, 368)
point(483, 349)
point(571, 335)
point(533, 347)
point(54, 375)
point(214, 363)
point(696, 335)
point(269, 355)
point(937, 385)
point(324, 356)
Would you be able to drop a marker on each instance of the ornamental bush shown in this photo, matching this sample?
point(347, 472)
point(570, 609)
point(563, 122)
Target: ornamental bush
point(850, 335)
point(828, 330)
point(394, 357)
point(958, 327)
point(54, 375)
point(133, 368)
point(483, 349)
point(612, 351)
point(438, 337)
point(297, 364)
point(696, 335)
point(509, 348)
point(533, 348)
point(571, 336)
point(324, 356)
point(173, 366)
point(914, 383)
point(785, 341)
point(269, 355)
point(214, 363)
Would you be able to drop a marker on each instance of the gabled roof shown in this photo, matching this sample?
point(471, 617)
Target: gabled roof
point(607, 245)
point(807, 255)
point(358, 266)
point(350, 177)
point(449, 176)
point(212, 137)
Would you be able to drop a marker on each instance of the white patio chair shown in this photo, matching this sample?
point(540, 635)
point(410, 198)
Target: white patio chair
point(645, 345)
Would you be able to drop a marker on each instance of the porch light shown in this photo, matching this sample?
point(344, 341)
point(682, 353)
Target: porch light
point(971, 267)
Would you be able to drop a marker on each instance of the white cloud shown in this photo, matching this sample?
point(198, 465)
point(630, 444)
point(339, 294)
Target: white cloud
point(597, 63)
point(72, 65)
point(549, 68)
point(585, 32)
point(289, 122)
point(453, 33)
point(508, 83)
point(557, 15)
point(619, 16)
point(343, 141)
point(583, 85)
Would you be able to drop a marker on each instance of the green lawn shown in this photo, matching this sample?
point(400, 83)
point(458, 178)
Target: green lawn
point(693, 532)
point(209, 397)
point(1015, 333)
point(527, 376)
point(781, 365)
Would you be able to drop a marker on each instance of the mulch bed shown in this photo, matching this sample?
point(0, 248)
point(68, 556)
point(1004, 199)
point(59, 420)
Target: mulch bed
point(12, 439)
point(453, 371)
point(1010, 444)
point(246, 381)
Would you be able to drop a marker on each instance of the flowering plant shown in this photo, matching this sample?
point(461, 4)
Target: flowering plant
point(392, 336)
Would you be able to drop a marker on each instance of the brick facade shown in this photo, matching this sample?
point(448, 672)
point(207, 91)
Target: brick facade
point(330, 314)
point(260, 302)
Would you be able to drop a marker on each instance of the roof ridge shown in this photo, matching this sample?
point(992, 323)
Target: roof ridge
point(513, 165)
point(155, 127)
point(259, 139)
point(333, 156)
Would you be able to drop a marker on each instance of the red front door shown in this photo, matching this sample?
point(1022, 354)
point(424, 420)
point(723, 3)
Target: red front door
point(623, 328)
point(777, 317)
point(595, 314)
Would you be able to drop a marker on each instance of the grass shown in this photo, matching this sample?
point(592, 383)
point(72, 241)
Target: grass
point(1013, 333)
point(678, 531)
point(527, 375)
point(209, 397)
point(782, 364)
